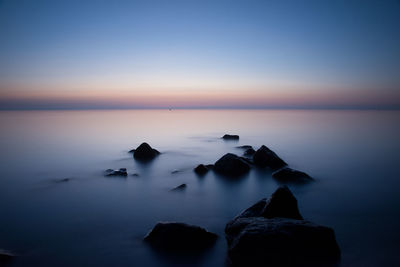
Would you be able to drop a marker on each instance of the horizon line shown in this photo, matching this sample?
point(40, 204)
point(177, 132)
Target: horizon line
point(383, 108)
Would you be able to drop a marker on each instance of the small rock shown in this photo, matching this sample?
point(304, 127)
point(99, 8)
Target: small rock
point(288, 175)
point(179, 236)
point(175, 171)
point(120, 172)
point(179, 188)
point(201, 169)
point(136, 174)
point(231, 165)
point(264, 157)
point(145, 152)
point(230, 137)
point(63, 180)
point(245, 147)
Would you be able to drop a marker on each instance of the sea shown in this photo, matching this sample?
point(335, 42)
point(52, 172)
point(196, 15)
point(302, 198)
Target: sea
point(58, 209)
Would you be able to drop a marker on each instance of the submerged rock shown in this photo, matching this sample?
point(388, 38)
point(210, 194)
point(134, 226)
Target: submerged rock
point(231, 165)
point(264, 157)
point(120, 172)
point(273, 233)
point(179, 188)
point(230, 137)
point(179, 236)
point(288, 175)
point(201, 169)
point(145, 152)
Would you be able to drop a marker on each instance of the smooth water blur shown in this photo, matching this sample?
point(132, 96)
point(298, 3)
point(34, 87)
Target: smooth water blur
point(100, 221)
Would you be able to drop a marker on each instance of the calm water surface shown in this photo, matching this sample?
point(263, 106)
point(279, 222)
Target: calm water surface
point(92, 220)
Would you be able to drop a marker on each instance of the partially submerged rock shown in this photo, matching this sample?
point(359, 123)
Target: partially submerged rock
point(145, 152)
point(5, 256)
point(245, 147)
point(179, 236)
point(230, 137)
point(120, 172)
point(257, 241)
point(201, 169)
point(264, 157)
point(179, 188)
point(249, 152)
point(273, 233)
point(288, 175)
point(231, 165)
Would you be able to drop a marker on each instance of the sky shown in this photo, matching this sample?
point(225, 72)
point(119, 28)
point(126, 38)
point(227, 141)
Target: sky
point(73, 54)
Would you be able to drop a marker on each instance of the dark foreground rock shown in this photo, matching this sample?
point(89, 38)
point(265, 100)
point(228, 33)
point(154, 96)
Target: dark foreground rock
point(257, 241)
point(230, 137)
point(5, 257)
point(145, 152)
point(120, 172)
point(273, 233)
point(175, 236)
point(288, 175)
point(231, 165)
point(264, 157)
point(201, 169)
point(179, 188)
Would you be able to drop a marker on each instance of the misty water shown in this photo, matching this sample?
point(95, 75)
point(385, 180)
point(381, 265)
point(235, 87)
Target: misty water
point(92, 220)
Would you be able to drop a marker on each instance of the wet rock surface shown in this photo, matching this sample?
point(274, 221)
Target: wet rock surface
point(120, 172)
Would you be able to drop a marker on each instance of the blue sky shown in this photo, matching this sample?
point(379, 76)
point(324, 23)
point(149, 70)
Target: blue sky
point(110, 53)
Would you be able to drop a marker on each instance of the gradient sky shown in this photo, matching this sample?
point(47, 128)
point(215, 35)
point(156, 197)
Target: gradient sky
point(244, 54)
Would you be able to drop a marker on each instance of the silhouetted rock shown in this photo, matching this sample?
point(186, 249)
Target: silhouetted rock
point(231, 165)
point(264, 157)
point(145, 152)
point(63, 180)
point(249, 152)
point(179, 236)
point(5, 257)
point(245, 147)
point(283, 204)
point(201, 169)
point(230, 137)
point(179, 188)
point(120, 172)
point(273, 233)
point(257, 241)
point(175, 171)
point(288, 175)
